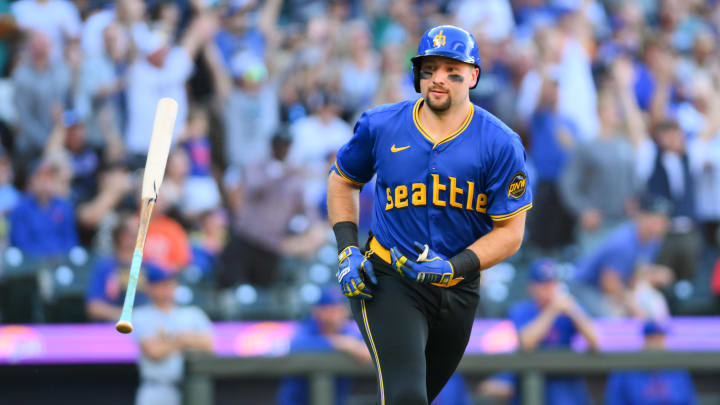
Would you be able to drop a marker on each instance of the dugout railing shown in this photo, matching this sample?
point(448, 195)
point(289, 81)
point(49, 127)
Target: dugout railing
point(320, 369)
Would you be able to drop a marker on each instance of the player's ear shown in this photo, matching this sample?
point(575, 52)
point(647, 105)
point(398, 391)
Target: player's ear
point(475, 76)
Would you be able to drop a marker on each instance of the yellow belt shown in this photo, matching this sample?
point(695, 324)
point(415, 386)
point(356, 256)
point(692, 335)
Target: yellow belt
point(380, 251)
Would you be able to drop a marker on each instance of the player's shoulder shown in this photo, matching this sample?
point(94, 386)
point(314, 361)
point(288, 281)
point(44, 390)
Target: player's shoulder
point(384, 112)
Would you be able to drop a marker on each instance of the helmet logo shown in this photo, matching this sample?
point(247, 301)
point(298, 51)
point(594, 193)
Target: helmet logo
point(439, 39)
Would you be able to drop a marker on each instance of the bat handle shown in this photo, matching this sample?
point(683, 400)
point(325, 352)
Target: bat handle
point(124, 325)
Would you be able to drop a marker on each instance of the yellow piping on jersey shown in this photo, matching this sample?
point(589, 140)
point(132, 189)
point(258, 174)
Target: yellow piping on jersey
point(463, 126)
point(512, 214)
point(346, 177)
point(374, 350)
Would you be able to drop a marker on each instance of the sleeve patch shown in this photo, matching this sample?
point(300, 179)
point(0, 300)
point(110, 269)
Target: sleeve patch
point(517, 186)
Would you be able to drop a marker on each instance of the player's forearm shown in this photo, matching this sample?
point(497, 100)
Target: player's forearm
point(500, 243)
point(343, 200)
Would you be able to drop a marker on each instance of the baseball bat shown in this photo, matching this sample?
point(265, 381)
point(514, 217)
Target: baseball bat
point(157, 156)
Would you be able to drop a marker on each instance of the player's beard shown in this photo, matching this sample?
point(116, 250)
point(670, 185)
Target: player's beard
point(438, 107)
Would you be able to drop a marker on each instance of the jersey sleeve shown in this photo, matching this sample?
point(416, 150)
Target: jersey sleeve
point(507, 186)
point(355, 160)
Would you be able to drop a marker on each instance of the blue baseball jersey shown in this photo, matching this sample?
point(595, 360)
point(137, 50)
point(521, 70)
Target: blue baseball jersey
point(447, 193)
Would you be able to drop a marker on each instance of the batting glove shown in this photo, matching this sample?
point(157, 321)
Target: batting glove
point(429, 268)
point(354, 267)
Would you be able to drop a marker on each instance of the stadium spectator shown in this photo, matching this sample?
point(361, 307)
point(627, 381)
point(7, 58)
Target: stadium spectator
point(549, 320)
point(165, 332)
point(359, 70)
point(561, 53)
point(167, 243)
point(704, 155)
point(208, 240)
point(161, 70)
point(9, 195)
point(246, 29)
point(103, 83)
point(316, 138)
point(200, 190)
point(58, 19)
point(327, 330)
point(553, 137)
point(599, 181)
point(666, 168)
point(650, 387)
point(251, 113)
point(127, 14)
point(269, 219)
point(632, 247)
point(495, 19)
point(176, 174)
point(109, 278)
point(43, 221)
point(69, 137)
point(41, 87)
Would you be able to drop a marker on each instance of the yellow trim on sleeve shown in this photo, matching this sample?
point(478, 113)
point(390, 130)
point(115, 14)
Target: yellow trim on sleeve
point(512, 214)
point(346, 177)
point(463, 126)
point(374, 351)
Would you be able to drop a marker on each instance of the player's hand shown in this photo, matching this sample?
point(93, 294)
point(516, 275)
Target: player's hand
point(355, 273)
point(428, 268)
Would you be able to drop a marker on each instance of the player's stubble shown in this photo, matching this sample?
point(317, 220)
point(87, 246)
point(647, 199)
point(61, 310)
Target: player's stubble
point(438, 107)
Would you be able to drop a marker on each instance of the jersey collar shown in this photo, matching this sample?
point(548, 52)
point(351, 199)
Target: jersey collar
point(424, 132)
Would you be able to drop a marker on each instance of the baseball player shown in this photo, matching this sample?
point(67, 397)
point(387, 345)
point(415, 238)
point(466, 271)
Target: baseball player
point(451, 197)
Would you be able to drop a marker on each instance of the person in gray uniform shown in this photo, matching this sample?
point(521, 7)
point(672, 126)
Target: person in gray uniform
point(164, 332)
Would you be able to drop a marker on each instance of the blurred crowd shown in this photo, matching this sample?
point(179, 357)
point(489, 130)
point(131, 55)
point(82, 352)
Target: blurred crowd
point(616, 101)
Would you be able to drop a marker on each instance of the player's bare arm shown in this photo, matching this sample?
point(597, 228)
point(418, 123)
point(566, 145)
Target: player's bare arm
point(355, 272)
point(501, 242)
point(343, 200)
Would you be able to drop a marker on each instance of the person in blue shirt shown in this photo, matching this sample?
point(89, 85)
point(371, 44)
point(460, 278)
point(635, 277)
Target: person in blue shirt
point(549, 321)
point(651, 387)
point(42, 224)
point(326, 330)
point(552, 142)
point(451, 196)
point(608, 269)
point(109, 278)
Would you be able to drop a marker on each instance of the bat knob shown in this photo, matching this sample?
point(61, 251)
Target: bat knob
point(124, 327)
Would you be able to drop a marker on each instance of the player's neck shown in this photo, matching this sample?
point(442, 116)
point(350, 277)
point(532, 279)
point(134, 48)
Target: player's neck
point(440, 124)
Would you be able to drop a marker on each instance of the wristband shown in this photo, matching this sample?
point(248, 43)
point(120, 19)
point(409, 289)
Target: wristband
point(465, 264)
point(346, 234)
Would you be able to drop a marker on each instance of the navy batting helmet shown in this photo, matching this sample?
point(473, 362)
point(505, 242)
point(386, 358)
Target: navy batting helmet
point(448, 41)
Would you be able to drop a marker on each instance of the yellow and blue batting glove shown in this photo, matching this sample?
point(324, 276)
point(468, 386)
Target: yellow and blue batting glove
point(428, 268)
point(355, 273)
